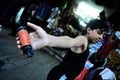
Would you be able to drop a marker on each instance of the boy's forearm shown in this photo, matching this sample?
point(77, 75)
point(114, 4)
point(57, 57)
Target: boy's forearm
point(60, 41)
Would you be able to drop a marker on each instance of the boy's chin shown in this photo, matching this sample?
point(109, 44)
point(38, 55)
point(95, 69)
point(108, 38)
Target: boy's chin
point(94, 42)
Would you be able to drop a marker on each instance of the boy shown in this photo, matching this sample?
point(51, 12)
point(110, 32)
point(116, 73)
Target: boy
point(78, 50)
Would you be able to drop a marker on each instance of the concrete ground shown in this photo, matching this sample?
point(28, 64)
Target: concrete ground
point(14, 66)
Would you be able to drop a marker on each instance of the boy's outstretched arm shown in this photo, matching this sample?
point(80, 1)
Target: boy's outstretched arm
point(39, 38)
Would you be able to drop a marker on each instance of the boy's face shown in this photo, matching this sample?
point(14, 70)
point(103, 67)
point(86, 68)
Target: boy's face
point(95, 35)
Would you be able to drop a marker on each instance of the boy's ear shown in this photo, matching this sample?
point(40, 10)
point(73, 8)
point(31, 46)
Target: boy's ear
point(88, 30)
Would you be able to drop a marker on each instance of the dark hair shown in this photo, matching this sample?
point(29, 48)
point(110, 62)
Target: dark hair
point(96, 24)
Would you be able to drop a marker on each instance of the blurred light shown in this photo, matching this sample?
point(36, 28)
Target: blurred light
point(82, 23)
point(85, 10)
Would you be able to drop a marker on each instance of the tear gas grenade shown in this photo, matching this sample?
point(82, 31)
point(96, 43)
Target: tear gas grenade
point(25, 41)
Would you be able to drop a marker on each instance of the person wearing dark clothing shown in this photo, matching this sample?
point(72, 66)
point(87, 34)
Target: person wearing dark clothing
point(110, 14)
point(78, 51)
point(72, 64)
point(3, 4)
point(10, 11)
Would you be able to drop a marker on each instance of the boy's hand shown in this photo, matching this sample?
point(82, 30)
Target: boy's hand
point(38, 38)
